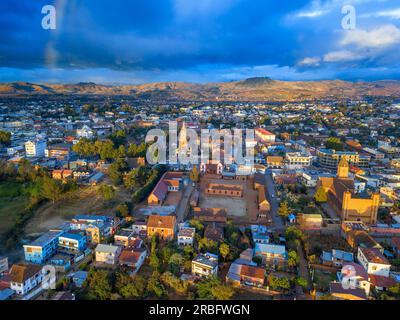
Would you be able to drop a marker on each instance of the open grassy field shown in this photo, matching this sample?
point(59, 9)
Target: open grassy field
point(86, 200)
point(12, 203)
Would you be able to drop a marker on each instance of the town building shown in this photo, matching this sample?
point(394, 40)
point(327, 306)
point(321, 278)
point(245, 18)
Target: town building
point(186, 236)
point(72, 242)
point(162, 226)
point(133, 258)
point(331, 158)
point(169, 182)
point(210, 215)
point(271, 254)
point(227, 190)
point(264, 135)
point(343, 199)
point(35, 148)
point(205, 265)
point(25, 277)
point(107, 254)
point(40, 250)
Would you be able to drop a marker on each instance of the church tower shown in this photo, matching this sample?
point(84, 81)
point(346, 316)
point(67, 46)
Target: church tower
point(343, 168)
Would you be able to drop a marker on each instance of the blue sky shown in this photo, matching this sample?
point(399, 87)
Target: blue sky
point(141, 41)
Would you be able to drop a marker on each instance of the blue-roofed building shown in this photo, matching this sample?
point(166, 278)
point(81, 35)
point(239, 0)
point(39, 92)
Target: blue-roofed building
point(271, 253)
point(72, 242)
point(337, 258)
point(43, 248)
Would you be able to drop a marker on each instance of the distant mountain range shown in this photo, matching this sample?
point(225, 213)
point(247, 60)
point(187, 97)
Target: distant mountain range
point(253, 89)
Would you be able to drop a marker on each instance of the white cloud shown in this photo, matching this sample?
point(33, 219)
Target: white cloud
point(392, 14)
point(312, 14)
point(342, 56)
point(310, 61)
point(380, 37)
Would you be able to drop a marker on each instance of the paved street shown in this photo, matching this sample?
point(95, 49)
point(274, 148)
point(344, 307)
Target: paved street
point(182, 210)
point(277, 220)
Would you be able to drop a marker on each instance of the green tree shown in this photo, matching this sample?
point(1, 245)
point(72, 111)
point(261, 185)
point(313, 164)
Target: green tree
point(107, 192)
point(334, 143)
point(212, 289)
point(51, 189)
point(154, 285)
point(99, 284)
point(207, 244)
point(224, 250)
point(284, 210)
point(197, 224)
point(293, 259)
point(302, 282)
point(123, 210)
point(5, 137)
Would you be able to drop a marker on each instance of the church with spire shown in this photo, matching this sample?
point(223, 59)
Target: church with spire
point(342, 197)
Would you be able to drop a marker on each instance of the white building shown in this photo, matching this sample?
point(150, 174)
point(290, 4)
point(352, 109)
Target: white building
point(297, 160)
point(85, 132)
point(186, 236)
point(265, 135)
point(25, 277)
point(373, 262)
point(205, 265)
point(35, 148)
point(108, 254)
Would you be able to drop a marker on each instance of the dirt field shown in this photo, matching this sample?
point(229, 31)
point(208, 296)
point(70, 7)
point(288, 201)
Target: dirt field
point(85, 201)
point(240, 208)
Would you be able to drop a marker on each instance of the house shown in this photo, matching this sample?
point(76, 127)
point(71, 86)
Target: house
point(271, 253)
point(139, 228)
point(259, 234)
point(258, 181)
point(264, 135)
point(310, 221)
point(214, 232)
point(161, 226)
point(133, 258)
point(40, 250)
point(107, 254)
point(215, 168)
point(361, 238)
point(72, 242)
point(275, 162)
point(373, 262)
point(85, 132)
point(169, 182)
point(263, 204)
point(353, 275)
point(3, 264)
point(186, 236)
point(337, 258)
point(79, 278)
point(395, 244)
point(124, 237)
point(209, 215)
point(36, 148)
point(226, 190)
point(340, 293)
point(245, 273)
point(25, 277)
point(205, 265)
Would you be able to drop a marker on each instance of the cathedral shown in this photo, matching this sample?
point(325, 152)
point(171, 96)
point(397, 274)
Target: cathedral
point(341, 196)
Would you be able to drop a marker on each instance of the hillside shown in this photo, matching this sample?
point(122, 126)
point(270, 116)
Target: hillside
point(253, 89)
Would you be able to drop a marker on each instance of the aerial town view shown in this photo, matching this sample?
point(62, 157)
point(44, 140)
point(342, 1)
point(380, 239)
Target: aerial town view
point(228, 150)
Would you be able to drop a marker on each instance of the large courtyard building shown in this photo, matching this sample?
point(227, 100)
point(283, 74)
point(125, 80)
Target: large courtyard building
point(342, 197)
